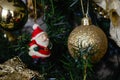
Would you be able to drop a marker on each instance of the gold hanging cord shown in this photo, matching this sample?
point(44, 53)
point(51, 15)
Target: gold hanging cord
point(83, 10)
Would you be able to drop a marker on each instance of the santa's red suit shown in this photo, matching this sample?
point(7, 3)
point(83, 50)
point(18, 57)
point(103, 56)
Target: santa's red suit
point(42, 51)
point(37, 50)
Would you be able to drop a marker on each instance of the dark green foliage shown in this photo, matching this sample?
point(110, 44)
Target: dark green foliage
point(20, 47)
point(6, 52)
point(75, 67)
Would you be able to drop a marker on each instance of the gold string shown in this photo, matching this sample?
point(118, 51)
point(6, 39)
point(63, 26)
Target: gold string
point(83, 10)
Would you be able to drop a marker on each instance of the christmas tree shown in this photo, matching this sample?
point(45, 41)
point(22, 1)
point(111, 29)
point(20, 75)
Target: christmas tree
point(61, 17)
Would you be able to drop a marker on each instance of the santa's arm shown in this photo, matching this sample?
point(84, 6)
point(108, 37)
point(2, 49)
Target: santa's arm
point(32, 45)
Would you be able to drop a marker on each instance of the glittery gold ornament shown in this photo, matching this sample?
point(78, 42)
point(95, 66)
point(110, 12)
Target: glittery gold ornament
point(87, 35)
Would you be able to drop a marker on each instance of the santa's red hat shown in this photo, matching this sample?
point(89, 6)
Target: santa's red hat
point(36, 31)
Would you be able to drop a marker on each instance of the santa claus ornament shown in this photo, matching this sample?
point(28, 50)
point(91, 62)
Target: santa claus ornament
point(38, 46)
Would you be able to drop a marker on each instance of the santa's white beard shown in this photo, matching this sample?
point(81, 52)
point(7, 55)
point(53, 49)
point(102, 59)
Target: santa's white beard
point(42, 43)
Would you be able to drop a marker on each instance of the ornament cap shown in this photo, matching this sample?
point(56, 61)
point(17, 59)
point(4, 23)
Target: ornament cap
point(86, 21)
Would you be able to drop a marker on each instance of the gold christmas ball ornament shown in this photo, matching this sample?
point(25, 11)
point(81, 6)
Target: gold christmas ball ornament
point(13, 14)
point(9, 36)
point(87, 35)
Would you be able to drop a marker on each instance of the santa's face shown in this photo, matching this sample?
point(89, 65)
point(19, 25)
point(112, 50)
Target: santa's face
point(42, 40)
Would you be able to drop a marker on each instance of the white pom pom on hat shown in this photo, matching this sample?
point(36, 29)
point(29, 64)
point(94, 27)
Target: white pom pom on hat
point(35, 26)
